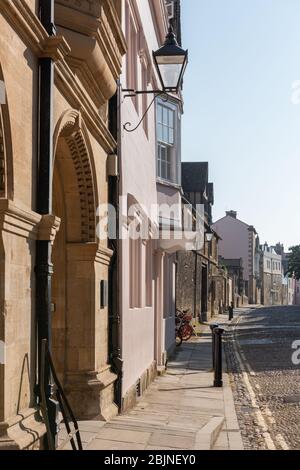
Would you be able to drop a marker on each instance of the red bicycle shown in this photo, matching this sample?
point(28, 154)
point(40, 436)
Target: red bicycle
point(184, 329)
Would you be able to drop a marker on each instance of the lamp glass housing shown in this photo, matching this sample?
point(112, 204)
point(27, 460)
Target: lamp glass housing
point(170, 61)
point(171, 70)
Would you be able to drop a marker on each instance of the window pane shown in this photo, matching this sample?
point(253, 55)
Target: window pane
point(165, 115)
point(159, 113)
point(165, 134)
point(171, 118)
point(163, 153)
point(163, 170)
point(171, 136)
point(160, 132)
point(168, 176)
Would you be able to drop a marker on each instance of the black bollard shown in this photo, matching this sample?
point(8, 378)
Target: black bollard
point(212, 327)
point(230, 312)
point(218, 332)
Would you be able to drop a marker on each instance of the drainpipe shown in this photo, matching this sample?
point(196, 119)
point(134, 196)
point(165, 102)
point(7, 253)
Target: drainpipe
point(115, 278)
point(43, 268)
point(195, 284)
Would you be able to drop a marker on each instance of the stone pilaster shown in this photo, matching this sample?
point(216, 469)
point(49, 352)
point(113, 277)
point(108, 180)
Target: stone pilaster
point(89, 381)
point(20, 423)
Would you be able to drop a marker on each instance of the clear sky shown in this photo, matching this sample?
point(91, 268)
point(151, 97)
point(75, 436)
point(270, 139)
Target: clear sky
point(239, 116)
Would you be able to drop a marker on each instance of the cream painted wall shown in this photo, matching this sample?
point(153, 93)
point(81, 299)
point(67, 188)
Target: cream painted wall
point(138, 179)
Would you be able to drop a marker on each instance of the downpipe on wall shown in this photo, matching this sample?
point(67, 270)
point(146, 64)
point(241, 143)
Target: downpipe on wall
point(43, 265)
point(114, 191)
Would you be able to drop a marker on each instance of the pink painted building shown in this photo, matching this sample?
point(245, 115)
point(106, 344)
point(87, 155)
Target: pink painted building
point(240, 241)
point(149, 175)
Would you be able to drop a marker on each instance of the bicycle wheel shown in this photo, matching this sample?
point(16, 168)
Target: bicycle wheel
point(186, 332)
point(178, 340)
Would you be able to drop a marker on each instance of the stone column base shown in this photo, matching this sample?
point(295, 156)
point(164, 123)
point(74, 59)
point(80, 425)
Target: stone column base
point(91, 394)
point(23, 431)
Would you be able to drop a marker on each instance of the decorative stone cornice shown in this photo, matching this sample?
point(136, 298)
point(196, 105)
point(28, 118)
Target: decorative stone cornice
point(27, 224)
point(104, 255)
point(90, 7)
point(55, 47)
point(94, 33)
point(92, 252)
point(48, 227)
point(76, 95)
point(27, 25)
point(18, 221)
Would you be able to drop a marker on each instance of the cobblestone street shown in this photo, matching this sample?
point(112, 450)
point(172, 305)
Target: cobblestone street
point(265, 381)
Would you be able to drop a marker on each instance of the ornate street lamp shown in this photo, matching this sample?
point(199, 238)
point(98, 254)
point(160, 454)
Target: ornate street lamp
point(209, 235)
point(170, 61)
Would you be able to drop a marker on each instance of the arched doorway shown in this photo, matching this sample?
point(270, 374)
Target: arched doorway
point(74, 253)
point(6, 165)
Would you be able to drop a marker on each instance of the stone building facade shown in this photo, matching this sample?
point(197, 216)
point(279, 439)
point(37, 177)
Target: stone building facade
point(234, 269)
point(273, 290)
point(202, 285)
point(87, 52)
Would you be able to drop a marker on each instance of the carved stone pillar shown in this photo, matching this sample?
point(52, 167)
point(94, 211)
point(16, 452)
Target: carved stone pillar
point(89, 381)
point(19, 229)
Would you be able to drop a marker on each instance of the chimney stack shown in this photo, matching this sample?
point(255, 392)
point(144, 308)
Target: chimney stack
point(232, 214)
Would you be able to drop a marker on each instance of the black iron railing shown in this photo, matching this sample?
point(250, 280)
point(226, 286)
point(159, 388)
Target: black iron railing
point(73, 436)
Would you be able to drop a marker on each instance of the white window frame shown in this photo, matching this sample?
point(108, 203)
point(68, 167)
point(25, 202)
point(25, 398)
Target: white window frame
point(168, 139)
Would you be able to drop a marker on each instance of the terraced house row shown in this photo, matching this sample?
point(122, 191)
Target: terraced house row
point(104, 232)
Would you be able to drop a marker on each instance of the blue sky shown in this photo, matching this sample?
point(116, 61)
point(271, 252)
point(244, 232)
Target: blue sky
point(244, 58)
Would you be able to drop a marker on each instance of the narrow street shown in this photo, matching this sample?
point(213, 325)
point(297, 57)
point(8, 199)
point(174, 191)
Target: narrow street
point(266, 383)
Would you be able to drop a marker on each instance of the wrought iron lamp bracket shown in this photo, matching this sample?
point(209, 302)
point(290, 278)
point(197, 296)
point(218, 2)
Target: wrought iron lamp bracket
point(132, 93)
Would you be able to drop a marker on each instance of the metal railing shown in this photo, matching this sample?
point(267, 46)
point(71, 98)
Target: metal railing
point(65, 408)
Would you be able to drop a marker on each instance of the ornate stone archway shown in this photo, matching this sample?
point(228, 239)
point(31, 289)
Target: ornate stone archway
point(79, 262)
point(6, 164)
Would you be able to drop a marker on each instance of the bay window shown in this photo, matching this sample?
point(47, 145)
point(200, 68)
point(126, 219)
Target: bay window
point(168, 141)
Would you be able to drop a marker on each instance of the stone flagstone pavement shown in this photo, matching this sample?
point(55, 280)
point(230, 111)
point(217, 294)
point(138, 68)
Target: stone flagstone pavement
point(180, 411)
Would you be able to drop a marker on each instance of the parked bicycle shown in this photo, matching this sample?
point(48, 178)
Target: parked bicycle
point(184, 329)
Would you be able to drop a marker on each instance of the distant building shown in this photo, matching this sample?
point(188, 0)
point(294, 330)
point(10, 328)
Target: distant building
point(196, 186)
point(289, 282)
point(234, 268)
point(297, 292)
point(291, 300)
point(272, 277)
point(240, 240)
point(279, 249)
point(202, 286)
